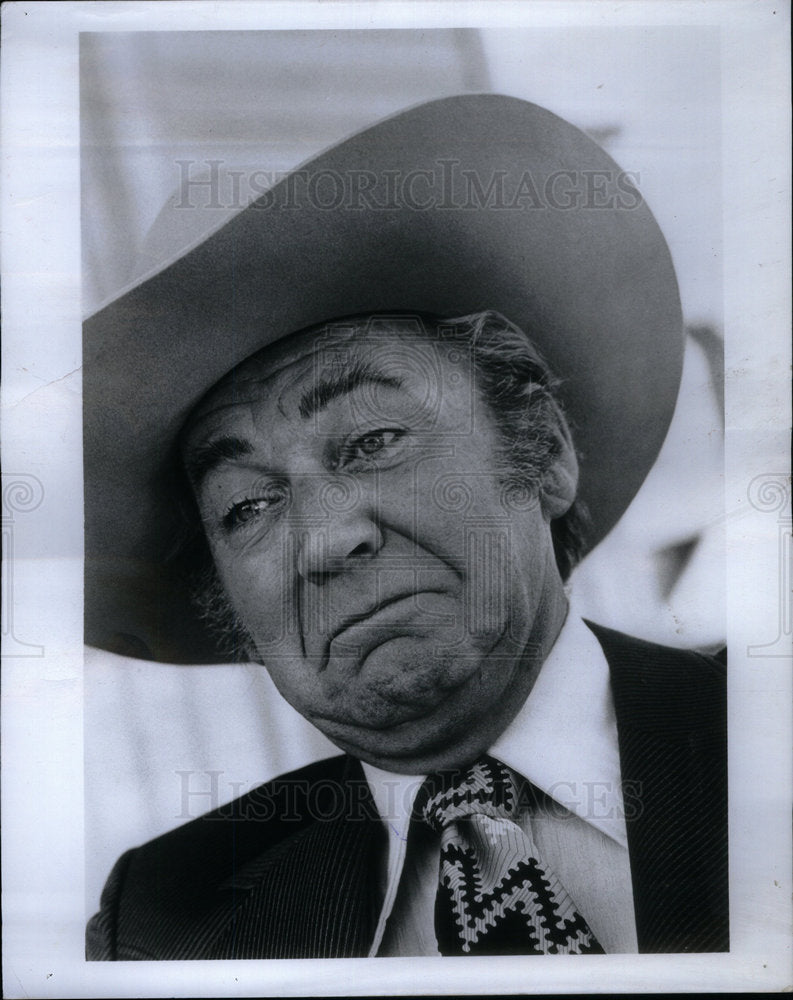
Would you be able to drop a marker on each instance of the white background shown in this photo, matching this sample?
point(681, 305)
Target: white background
point(43, 830)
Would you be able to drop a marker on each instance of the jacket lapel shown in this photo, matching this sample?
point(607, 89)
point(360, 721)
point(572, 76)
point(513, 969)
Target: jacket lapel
point(671, 720)
point(315, 894)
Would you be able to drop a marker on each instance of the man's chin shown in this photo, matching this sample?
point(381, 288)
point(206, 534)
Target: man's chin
point(413, 753)
point(412, 741)
point(408, 705)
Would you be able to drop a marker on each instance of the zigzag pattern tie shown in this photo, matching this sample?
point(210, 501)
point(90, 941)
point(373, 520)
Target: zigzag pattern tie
point(494, 896)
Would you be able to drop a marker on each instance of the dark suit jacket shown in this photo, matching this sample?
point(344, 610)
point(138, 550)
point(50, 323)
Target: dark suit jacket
point(289, 870)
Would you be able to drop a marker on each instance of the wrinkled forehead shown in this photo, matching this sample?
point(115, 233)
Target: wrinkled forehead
point(404, 350)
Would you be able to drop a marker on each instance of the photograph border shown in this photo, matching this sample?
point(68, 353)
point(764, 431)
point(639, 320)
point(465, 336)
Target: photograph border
point(42, 708)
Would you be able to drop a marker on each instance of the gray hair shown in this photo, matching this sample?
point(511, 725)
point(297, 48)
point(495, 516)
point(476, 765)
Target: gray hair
point(522, 394)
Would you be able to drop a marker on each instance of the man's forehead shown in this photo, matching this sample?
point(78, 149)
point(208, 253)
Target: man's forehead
point(284, 370)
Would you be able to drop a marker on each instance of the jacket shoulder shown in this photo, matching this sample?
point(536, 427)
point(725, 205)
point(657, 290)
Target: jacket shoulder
point(662, 688)
point(186, 880)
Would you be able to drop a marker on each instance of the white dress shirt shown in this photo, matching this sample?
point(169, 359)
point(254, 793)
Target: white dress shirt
point(563, 741)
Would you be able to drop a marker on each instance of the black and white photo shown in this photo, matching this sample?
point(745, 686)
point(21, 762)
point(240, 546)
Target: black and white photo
point(410, 433)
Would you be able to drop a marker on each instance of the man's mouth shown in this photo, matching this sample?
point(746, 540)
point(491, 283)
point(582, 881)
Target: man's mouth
point(370, 612)
point(371, 617)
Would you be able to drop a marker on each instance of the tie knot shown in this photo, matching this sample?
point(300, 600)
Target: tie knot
point(487, 788)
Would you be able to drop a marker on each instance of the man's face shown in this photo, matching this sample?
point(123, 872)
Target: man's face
point(401, 597)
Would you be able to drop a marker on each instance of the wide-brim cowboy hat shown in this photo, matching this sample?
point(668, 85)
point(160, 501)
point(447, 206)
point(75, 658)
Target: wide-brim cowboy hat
point(458, 205)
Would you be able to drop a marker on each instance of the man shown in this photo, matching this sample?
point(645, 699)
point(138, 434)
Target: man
point(353, 406)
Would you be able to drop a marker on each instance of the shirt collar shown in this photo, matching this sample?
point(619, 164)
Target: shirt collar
point(564, 738)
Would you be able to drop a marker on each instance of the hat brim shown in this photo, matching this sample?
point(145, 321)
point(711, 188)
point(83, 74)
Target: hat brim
point(516, 211)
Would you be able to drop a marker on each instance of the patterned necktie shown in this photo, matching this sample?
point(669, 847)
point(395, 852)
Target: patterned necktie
point(494, 896)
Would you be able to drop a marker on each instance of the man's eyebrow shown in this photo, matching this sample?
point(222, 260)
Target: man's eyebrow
point(334, 385)
point(202, 460)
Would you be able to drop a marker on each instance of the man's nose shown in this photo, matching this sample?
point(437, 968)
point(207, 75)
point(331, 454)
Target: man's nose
point(335, 527)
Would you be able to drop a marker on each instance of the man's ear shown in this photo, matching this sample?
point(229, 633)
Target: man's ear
point(560, 482)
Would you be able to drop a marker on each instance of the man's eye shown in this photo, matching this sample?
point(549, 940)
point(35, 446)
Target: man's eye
point(251, 508)
point(370, 445)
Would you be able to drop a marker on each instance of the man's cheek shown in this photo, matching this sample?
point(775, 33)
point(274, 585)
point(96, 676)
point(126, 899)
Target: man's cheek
point(294, 680)
point(267, 613)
